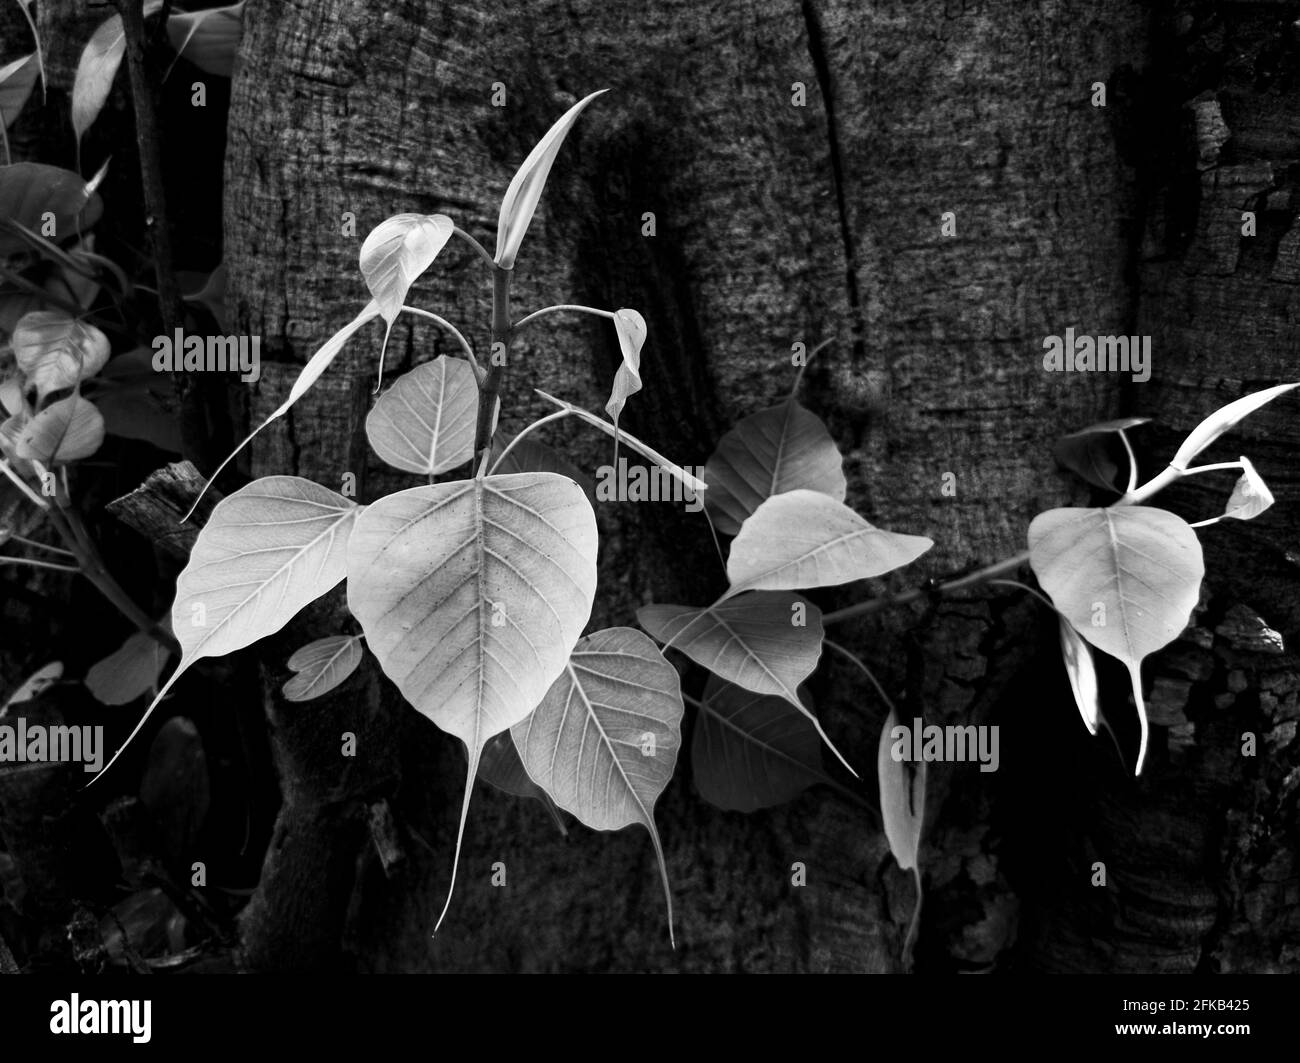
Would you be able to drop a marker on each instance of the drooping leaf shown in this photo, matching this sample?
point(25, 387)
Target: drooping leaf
point(520, 201)
point(321, 666)
point(801, 539)
point(267, 550)
point(35, 685)
point(783, 448)
point(765, 642)
point(67, 430)
point(1081, 670)
point(208, 39)
point(129, 672)
point(604, 740)
point(1089, 452)
point(752, 751)
point(1222, 420)
point(501, 768)
point(56, 351)
point(1250, 496)
point(471, 595)
point(529, 455)
point(16, 81)
point(311, 372)
point(98, 67)
point(425, 422)
point(631, 330)
point(1126, 578)
point(396, 252)
point(30, 190)
point(902, 798)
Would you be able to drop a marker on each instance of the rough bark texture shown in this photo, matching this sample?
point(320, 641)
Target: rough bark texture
point(778, 223)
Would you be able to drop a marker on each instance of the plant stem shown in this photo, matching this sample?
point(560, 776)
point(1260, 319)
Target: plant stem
point(464, 343)
point(556, 416)
point(563, 306)
point(18, 482)
point(489, 392)
point(37, 564)
point(479, 248)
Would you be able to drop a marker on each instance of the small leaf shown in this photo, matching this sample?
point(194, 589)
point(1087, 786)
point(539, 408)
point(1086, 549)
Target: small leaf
point(321, 666)
point(16, 81)
point(1223, 419)
point(98, 67)
point(902, 798)
point(67, 430)
point(212, 295)
point(129, 672)
point(471, 595)
point(425, 422)
point(396, 252)
point(603, 742)
point(35, 685)
point(1088, 452)
point(30, 190)
point(752, 751)
point(801, 539)
point(1250, 496)
point(1126, 578)
point(208, 39)
point(1081, 670)
point(501, 768)
point(631, 330)
point(528, 455)
point(11, 397)
point(520, 201)
point(783, 448)
point(55, 351)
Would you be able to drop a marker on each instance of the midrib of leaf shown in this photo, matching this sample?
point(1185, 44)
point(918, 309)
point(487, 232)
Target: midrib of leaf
point(1119, 586)
point(737, 588)
point(324, 669)
point(787, 409)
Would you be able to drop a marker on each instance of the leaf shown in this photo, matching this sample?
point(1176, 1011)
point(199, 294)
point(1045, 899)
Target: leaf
point(1081, 670)
point(55, 351)
point(396, 252)
point(212, 295)
point(752, 751)
point(1223, 419)
point(208, 39)
point(311, 372)
point(425, 422)
point(1087, 452)
point(430, 571)
point(754, 641)
point(586, 743)
point(35, 685)
point(266, 551)
point(501, 768)
point(783, 448)
point(631, 330)
point(520, 201)
point(129, 672)
point(528, 455)
point(175, 787)
point(11, 397)
point(321, 666)
point(16, 81)
point(1125, 578)
point(67, 430)
point(98, 67)
point(902, 798)
point(28, 190)
point(1250, 496)
point(803, 539)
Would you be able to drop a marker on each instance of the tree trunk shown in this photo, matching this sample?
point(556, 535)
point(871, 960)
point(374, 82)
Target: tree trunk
point(774, 224)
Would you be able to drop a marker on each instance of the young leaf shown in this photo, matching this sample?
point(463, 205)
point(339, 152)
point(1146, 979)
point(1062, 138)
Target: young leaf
point(1081, 670)
point(321, 666)
point(55, 351)
point(30, 191)
point(98, 66)
point(783, 448)
point(129, 672)
point(604, 740)
point(501, 768)
point(767, 643)
point(311, 372)
point(631, 330)
point(471, 595)
point(1250, 496)
point(1223, 419)
point(1125, 578)
point(396, 252)
point(67, 430)
point(212, 295)
point(520, 200)
point(425, 422)
point(11, 397)
point(752, 751)
point(16, 81)
point(34, 685)
point(802, 539)
point(266, 551)
point(1087, 452)
point(902, 798)
point(208, 39)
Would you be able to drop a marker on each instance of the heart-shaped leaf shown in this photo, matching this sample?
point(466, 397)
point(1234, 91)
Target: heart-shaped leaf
point(29, 191)
point(1223, 419)
point(520, 201)
point(752, 751)
point(16, 81)
point(55, 351)
point(902, 798)
point(208, 39)
point(501, 768)
point(266, 551)
point(396, 252)
point(802, 539)
point(67, 430)
point(631, 330)
point(1081, 670)
point(1126, 578)
point(98, 66)
point(321, 666)
point(471, 595)
point(1250, 496)
point(783, 448)
point(604, 740)
point(425, 422)
point(129, 672)
point(1088, 452)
